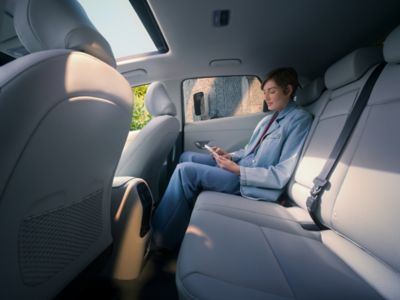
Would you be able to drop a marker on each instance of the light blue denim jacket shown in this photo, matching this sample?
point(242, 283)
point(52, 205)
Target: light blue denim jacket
point(265, 176)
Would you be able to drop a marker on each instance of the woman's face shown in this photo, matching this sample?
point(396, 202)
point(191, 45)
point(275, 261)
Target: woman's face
point(275, 97)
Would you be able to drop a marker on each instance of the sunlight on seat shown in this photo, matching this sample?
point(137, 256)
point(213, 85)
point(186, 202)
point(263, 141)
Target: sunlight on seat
point(308, 169)
point(198, 232)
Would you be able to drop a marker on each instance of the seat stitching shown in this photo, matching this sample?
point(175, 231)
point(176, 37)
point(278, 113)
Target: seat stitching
point(185, 289)
point(335, 116)
point(389, 100)
point(248, 211)
point(228, 282)
point(277, 260)
point(248, 222)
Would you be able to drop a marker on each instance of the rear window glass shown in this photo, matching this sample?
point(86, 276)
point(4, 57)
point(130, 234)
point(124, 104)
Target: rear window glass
point(220, 97)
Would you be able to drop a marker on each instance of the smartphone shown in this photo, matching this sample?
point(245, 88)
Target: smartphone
point(210, 149)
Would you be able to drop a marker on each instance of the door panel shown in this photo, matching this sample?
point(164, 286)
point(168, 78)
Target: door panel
point(231, 133)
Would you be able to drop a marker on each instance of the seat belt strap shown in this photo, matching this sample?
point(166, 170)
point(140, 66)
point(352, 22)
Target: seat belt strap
point(321, 182)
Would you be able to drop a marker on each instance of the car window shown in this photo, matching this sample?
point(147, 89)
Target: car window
point(220, 97)
point(140, 115)
point(125, 33)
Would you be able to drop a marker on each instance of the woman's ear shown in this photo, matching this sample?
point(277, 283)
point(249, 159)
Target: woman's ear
point(288, 90)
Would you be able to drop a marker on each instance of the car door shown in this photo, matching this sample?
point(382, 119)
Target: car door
point(221, 111)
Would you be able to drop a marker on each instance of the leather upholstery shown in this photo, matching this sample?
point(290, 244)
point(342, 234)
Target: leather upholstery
point(310, 93)
point(62, 131)
point(239, 249)
point(144, 156)
point(158, 102)
point(66, 26)
point(391, 47)
point(352, 66)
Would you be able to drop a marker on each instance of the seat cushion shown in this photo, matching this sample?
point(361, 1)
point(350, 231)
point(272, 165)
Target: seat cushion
point(262, 213)
point(226, 257)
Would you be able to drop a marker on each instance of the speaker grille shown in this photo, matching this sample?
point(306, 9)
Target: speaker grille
point(50, 242)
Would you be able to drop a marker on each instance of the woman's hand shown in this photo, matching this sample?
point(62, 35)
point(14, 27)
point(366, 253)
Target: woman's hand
point(221, 152)
point(227, 164)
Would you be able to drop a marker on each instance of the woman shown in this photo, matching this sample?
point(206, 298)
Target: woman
point(260, 171)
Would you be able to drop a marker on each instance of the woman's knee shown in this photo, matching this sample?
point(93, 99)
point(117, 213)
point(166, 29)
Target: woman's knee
point(186, 156)
point(185, 167)
point(200, 158)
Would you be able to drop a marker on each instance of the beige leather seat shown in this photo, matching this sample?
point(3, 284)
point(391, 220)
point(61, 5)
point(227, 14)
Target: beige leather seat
point(64, 116)
point(144, 156)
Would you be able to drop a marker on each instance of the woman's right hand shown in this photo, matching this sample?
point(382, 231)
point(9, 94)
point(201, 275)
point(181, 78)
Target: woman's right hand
point(221, 152)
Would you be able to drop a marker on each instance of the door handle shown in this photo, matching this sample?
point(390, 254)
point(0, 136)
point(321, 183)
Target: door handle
point(200, 144)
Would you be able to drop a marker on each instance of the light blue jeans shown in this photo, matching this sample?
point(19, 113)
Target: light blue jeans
point(195, 173)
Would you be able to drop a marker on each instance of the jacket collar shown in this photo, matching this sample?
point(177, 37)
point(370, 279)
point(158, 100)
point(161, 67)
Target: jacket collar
point(291, 106)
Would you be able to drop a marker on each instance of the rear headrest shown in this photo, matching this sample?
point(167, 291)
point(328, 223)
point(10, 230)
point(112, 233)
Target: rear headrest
point(352, 66)
point(59, 24)
point(391, 46)
point(158, 102)
point(310, 92)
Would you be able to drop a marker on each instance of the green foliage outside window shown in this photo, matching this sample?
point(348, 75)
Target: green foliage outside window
point(140, 115)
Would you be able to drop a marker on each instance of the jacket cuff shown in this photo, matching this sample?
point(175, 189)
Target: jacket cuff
point(243, 176)
point(234, 156)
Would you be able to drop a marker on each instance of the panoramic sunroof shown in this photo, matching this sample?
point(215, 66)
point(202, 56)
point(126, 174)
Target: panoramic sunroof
point(119, 23)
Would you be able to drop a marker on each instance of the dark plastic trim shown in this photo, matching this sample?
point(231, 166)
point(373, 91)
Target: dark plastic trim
point(145, 14)
point(5, 58)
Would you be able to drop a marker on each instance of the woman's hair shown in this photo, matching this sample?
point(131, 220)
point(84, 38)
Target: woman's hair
point(283, 77)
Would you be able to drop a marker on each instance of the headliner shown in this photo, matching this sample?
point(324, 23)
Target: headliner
point(308, 35)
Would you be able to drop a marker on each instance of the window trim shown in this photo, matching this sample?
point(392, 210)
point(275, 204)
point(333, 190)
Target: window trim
point(146, 16)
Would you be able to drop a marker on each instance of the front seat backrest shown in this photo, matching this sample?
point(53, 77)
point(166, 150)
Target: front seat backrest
point(64, 117)
point(145, 155)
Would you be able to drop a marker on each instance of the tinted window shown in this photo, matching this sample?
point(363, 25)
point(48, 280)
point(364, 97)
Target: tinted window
point(219, 97)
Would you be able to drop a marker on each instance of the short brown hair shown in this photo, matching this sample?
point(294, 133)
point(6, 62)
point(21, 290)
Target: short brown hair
point(283, 77)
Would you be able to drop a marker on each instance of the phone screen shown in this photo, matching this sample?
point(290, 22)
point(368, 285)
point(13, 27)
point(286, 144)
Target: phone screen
point(210, 149)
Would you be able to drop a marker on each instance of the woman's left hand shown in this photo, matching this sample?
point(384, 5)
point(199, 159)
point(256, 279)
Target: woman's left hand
point(227, 164)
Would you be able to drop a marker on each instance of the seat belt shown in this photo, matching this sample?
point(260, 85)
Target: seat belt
point(321, 181)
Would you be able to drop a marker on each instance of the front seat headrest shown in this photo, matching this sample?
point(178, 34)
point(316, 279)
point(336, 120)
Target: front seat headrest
point(59, 24)
point(157, 101)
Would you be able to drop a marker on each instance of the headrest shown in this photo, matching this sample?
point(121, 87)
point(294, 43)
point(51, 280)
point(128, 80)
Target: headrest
point(352, 66)
point(391, 46)
point(158, 102)
point(310, 92)
point(9, 6)
point(61, 24)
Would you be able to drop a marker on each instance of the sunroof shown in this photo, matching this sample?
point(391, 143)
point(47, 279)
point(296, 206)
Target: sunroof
point(120, 25)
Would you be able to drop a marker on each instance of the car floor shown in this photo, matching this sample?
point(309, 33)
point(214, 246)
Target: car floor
point(156, 281)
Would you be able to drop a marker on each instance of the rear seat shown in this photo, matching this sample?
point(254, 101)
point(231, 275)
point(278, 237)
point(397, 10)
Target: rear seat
point(236, 248)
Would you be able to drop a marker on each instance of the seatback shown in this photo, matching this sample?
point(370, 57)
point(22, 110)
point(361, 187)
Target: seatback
point(64, 117)
point(361, 203)
point(144, 156)
point(364, 215)
point(344, 81)
point(307, 96)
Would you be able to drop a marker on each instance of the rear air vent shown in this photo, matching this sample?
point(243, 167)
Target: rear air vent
point(221, 18)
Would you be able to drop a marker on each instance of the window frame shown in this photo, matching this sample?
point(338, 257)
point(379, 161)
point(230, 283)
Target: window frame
point(183, 110)
point(149, 22)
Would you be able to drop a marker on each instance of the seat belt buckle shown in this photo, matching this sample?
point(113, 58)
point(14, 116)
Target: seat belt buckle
point(319, 184)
